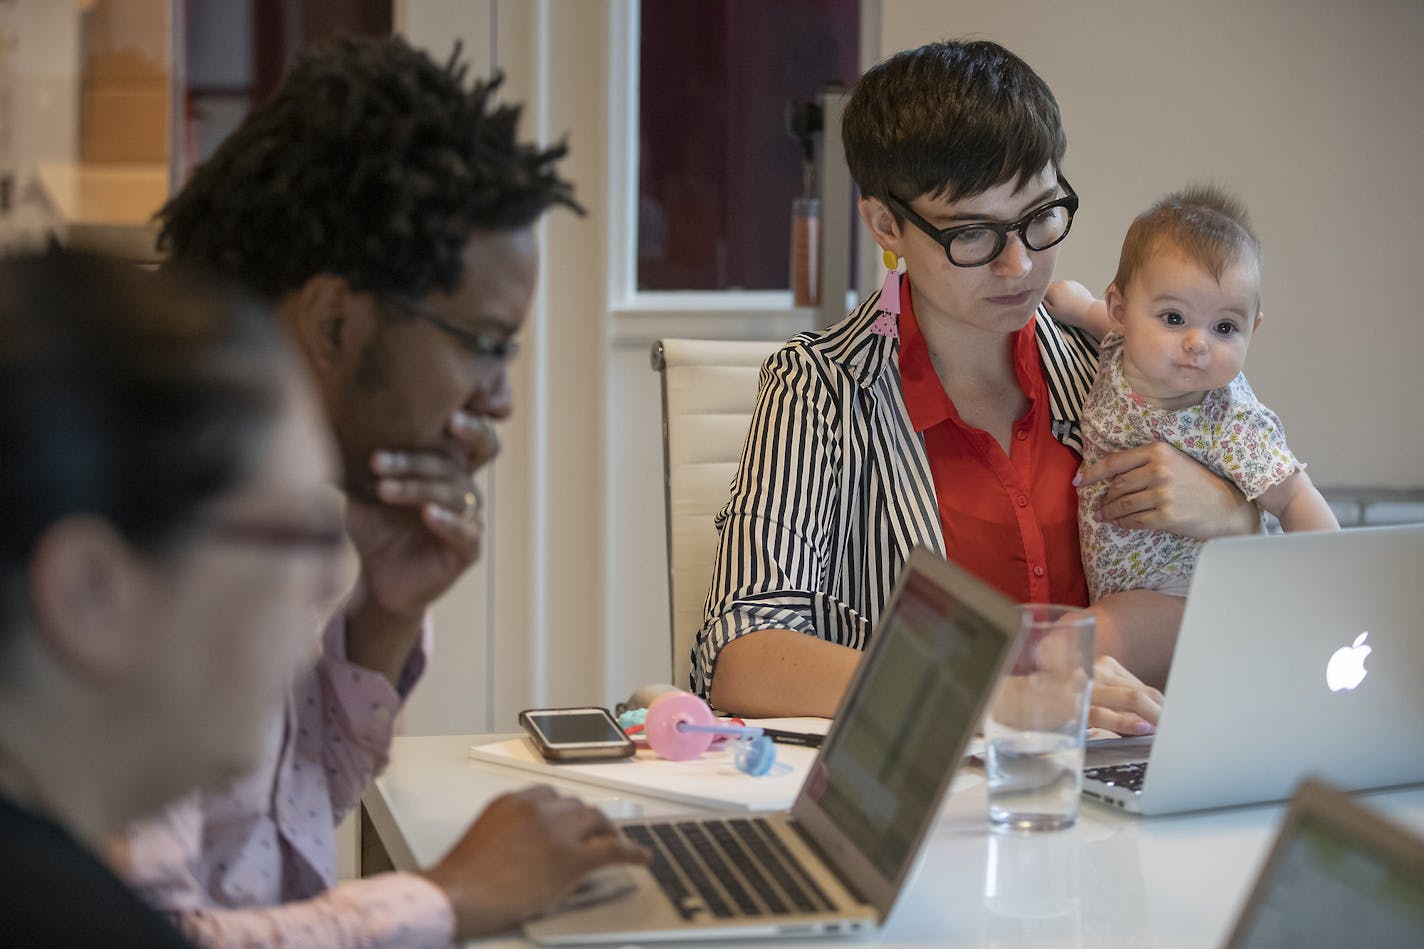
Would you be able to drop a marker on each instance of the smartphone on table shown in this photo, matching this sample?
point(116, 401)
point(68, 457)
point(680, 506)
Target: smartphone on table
point(575, 734)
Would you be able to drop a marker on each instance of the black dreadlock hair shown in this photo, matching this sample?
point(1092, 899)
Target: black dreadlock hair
point(369, 162)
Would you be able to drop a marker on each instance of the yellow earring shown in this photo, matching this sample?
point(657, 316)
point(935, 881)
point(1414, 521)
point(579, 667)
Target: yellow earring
point(892, 262)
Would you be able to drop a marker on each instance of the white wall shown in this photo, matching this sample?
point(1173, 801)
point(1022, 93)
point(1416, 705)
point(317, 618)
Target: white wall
point(456, 695)
point(1310, 110)
point(526, 627)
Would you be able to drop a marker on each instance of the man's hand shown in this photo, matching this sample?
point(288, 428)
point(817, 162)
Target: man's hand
point(526, 853)
point(413, 544)
point(1157, 487)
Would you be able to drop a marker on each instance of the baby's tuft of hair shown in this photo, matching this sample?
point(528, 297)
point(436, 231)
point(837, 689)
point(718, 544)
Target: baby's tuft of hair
point(1203, 222)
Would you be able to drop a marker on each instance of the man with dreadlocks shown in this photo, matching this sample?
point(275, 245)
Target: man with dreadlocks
point(387, 210)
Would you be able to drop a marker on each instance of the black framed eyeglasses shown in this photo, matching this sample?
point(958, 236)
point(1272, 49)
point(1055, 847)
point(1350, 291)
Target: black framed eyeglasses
point(479, 343)
point(979, 243)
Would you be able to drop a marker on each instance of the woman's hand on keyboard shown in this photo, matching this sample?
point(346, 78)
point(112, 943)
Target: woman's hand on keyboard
point(1121, 702)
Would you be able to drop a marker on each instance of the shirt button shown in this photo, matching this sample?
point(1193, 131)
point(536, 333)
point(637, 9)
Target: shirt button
point(1022, 500)
point(1038, 570)
point(1022, 435)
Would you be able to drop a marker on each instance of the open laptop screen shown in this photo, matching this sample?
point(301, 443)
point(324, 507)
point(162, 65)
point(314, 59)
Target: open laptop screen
point(898, 733)
point(1338, 876)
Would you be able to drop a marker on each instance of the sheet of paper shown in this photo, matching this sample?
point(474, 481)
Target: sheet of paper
point(808, 726)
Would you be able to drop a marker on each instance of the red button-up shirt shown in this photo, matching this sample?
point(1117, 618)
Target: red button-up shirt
point(1010, 519)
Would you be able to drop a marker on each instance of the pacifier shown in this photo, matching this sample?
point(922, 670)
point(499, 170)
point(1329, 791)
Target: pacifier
point(679, 726)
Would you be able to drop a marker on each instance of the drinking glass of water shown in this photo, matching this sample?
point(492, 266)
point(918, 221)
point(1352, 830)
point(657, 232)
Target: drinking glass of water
point(1036, 721)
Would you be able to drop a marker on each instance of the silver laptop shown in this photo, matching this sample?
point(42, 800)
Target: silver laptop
point(1339, 876)
point(835, 862)
point(1297, 654)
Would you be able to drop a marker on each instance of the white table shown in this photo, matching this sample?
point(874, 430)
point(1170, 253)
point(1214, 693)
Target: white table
point(1114, 880)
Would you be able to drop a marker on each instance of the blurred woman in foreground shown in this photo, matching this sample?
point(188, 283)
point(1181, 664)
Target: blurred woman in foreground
point(169, 537)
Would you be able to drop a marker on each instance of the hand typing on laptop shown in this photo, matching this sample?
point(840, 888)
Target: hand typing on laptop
point(527, 852)
point(1121, 702)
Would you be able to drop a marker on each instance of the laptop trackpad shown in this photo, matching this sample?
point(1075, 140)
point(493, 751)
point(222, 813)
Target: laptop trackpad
point(599, 886)
point(1111, 751)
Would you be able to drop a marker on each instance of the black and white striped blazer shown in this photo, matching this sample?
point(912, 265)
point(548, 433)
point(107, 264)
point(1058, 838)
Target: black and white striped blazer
point(834, 488)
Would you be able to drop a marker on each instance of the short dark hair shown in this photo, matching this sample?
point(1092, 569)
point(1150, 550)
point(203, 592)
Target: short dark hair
point(1203, 222)
point(369, 162)
point(132, 396)
point(951, 119)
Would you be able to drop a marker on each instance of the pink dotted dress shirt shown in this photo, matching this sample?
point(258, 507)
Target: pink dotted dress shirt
point(254, 863)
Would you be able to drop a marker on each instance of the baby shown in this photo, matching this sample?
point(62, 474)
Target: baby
point(1177, 322)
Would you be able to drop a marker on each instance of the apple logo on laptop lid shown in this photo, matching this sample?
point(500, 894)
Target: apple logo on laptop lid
point(1346, 668)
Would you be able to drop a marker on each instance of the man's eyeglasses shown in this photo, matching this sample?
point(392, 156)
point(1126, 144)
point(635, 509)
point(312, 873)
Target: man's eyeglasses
point(324, 540)
point(484, 344)
point(976, 244)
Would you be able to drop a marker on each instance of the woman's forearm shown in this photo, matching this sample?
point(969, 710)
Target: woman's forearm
point(1138, 628)
point(777, 672)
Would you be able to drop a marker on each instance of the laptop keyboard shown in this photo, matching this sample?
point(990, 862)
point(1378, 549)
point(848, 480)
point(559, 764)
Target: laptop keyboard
point(727, 868)
point(1128, 776)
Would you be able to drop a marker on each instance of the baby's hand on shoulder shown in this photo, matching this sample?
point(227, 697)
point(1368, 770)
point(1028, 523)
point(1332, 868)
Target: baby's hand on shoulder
point(1067, 297)
point(1070, 302)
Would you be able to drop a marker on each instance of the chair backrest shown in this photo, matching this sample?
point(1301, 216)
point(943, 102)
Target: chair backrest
point(709, 391)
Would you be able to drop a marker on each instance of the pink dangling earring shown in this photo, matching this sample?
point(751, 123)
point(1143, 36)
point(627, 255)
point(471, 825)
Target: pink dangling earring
point(887, 322)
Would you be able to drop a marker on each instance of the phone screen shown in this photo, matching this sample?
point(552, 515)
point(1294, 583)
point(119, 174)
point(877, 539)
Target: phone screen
point(577, 727)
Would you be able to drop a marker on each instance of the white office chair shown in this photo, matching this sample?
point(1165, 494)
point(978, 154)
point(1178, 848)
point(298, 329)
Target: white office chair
point(709, 391)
